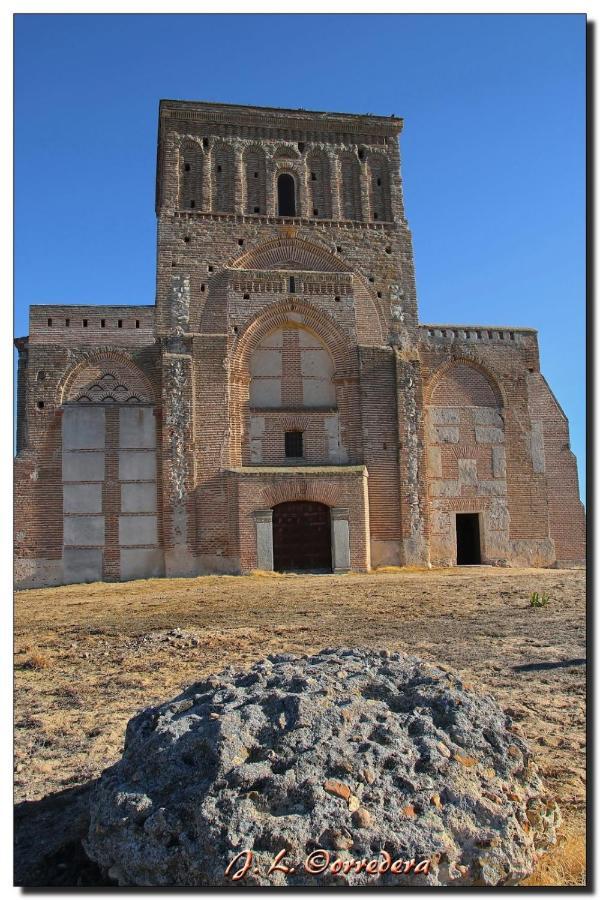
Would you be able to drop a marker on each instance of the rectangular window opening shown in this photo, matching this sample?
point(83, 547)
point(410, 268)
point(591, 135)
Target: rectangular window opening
point(294, 445)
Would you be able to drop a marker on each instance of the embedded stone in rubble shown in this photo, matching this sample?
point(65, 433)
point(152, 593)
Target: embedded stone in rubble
point(337, 760)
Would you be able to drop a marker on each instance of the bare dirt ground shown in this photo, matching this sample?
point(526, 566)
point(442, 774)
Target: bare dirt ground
point(89, 656)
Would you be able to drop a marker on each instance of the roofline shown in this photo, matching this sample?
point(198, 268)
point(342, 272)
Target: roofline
point(394, 123)
point(460, 326)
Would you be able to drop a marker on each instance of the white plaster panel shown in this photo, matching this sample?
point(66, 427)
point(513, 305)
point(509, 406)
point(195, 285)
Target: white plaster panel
point(316, 363)
point(316, 392)
point(265, 392)
point(137, 465)
point(83, 531)
point(82, 466)
point(266, 362)
point(83, 428)
point(82, 498)
point(81, 565)
point(306, 339)
point(141, 563)
point(138, 497)
point(137, 427)
point(135, 530)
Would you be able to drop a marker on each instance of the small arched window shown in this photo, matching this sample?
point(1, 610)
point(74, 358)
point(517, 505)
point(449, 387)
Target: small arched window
point(286, 195)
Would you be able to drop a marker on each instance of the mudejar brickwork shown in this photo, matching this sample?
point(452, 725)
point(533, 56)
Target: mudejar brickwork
point(280, 406)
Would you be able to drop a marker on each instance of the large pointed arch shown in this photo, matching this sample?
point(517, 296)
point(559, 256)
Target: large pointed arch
point(300, 314)
point(290, 252)
point(92, 374)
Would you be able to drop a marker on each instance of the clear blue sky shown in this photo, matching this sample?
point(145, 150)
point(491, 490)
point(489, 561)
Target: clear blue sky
point(493, 152)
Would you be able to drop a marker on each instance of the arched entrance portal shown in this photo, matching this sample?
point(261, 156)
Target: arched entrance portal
point(301, 537)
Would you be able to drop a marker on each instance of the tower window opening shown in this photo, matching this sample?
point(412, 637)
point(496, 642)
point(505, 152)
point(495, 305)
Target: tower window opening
point(292, 285)
point(67, 323)
point(49, 323)
point(120, 323)
point(256, 174)
point(294, 445)
point(102, 323)
point(241, 242)
point(300, 146)
point(85, 323)
point(315, 212)
point(246, 296)
point(40, 404)
point(219, 168)
point(379, 182)
point(205, 142)
point(187, 167)
point(137, 323)
point(313, 177)
point(202, 287)
point(257, 209)
point(375, 215)
point(286, 195)
point(192, 204)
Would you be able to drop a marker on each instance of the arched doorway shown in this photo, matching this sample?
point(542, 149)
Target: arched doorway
point(286, 195)
point(301, 537)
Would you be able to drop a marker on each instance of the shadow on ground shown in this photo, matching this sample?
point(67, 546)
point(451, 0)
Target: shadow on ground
point(48, 850)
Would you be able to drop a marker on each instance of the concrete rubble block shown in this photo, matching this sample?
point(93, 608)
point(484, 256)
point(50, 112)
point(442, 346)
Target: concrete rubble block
point(136, 530)
point(434, 462)
point(83, 428)
point(82, 466)
point(263, 519)
point(487, 434)
point(499, 462)
point(349, 750)
point(536, 446)
point(487, 415)
point(440, 415)
point(137, 427)
point(446, 488)
point(467, 471)
point(340, 540)
point(446, 434)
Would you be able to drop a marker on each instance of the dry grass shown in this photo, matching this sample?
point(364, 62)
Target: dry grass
point(113, 650)
point(37, 660)
point(566, 865)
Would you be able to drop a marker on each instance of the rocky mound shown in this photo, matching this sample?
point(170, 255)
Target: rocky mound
point(341, 767)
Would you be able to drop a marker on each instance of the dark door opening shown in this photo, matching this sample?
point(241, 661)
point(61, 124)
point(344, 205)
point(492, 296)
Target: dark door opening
point(468, 545)
point(286, 195)
point(301, 537)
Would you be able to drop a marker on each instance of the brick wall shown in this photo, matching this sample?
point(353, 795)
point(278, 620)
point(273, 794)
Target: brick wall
point(265, 324)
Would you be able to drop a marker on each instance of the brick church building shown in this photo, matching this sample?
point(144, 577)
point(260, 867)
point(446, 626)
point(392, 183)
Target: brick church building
point(280, 406)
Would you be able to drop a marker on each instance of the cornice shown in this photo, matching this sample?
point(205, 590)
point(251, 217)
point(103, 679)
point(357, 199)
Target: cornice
point(272, 117)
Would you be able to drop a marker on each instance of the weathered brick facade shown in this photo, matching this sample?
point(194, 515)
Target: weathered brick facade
point(282, 362)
